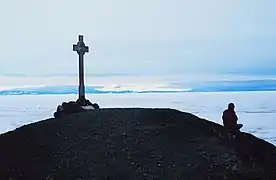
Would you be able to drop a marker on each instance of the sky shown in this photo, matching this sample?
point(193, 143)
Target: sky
point(138, 36)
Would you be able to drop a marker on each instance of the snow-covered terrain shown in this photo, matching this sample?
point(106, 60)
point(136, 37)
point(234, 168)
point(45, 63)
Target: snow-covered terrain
point(256, 110)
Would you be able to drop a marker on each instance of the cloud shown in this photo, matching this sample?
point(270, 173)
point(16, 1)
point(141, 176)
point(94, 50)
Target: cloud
point(37, 37)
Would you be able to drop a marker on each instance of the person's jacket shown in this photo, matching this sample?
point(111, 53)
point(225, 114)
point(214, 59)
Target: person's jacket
point(230, 119)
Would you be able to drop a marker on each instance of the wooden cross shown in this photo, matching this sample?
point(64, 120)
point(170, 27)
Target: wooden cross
point(81, 50)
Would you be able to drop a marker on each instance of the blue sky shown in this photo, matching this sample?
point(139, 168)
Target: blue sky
point(139, 36)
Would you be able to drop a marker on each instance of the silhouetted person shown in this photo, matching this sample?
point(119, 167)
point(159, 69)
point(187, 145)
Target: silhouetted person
point(230, 119)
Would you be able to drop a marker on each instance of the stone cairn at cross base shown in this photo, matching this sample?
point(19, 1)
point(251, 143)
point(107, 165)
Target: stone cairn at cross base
point(82, 104)
point(74, 107)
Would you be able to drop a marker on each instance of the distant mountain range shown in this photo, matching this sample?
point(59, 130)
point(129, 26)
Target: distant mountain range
point(211, 86)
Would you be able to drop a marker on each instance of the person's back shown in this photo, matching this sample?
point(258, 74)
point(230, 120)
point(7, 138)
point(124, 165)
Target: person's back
point(230, 119)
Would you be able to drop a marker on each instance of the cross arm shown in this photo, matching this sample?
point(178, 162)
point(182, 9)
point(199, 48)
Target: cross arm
point(83, 49)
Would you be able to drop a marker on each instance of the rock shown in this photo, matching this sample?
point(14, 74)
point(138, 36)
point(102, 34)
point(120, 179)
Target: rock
point(134, 144)
point(74, 107)
point(86, 102)
point(95, 106)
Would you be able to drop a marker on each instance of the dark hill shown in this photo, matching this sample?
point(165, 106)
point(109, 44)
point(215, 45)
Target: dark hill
point(132, 144)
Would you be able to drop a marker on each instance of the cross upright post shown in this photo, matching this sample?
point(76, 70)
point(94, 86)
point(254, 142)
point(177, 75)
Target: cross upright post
point(81, 49)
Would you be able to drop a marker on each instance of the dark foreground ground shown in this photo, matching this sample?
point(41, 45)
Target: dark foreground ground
point(132, 144)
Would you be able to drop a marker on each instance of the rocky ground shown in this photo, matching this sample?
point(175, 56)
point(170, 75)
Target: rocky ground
point(132, 144)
